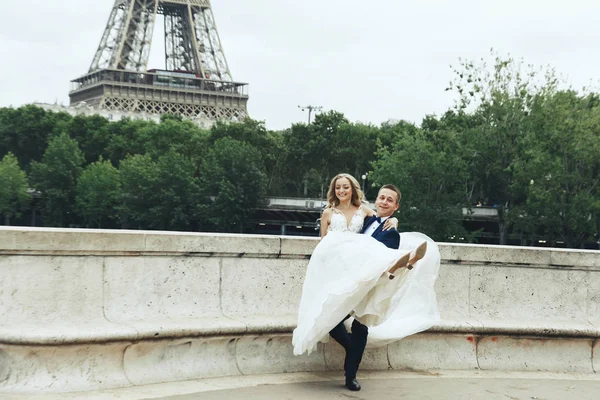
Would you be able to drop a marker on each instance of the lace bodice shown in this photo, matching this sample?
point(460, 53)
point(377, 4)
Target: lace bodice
point(339, 223)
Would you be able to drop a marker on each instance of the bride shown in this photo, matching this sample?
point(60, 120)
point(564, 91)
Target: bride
point(354, 274)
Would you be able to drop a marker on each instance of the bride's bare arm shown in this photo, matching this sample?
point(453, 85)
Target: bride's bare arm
point(325, 221)
point(368, 211)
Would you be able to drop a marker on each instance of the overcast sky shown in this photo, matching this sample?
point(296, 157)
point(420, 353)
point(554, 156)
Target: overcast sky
point(372, 60)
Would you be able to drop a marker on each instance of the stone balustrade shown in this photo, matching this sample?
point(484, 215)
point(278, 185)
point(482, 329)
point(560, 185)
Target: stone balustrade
point(92, 309)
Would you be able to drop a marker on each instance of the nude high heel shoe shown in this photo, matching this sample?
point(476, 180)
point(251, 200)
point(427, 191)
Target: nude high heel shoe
point(419, 254)
point(408, 262)
point(402, 262)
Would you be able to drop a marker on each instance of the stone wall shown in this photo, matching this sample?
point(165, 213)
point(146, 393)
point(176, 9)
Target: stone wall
point(92, 309)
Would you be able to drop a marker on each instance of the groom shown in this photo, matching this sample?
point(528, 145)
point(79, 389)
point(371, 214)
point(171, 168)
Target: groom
point(387, 202)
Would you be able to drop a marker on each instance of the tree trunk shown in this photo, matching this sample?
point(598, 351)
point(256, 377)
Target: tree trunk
point(502, 224)
point(502, 230)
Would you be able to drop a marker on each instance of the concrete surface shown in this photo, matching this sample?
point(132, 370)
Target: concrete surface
point(442, 385)
point(94, 309)
point(422, 389)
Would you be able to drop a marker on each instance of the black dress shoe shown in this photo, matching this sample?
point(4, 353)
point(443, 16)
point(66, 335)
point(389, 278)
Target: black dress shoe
point(352, 384)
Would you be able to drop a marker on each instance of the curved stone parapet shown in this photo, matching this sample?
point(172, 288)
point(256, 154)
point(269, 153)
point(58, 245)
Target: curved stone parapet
point(95, 309)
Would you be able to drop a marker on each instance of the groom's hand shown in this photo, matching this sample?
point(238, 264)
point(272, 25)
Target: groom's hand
point(390, 223)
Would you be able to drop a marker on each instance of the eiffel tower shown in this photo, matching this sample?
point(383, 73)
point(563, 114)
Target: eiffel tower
point(196, 81)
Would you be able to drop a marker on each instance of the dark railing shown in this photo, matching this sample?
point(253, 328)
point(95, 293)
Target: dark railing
point(160, 79)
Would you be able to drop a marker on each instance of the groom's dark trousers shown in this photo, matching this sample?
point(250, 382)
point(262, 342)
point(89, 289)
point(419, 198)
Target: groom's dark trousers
point(355, 343)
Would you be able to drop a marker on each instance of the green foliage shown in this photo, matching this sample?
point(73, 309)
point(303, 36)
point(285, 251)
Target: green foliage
point(92, 135)
point(55, 177)
point(98, 194)
point(127, 138)
point(499, 98)
point(139, 183)
point(319, 151)
point(176, 200)
point(171, 117)
point(248, 131)
point(14, 196)
point(180, 136)
point(275, 156)
point(430, 176)
point(559, 173)
point(270, 145)
point(233, 174)
point(160, 194)
point(25, 132)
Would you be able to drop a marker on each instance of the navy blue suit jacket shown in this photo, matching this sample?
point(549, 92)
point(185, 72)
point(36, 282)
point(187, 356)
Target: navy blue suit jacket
point(390, 238)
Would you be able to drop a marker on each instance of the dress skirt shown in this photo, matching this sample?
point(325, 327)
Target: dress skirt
point(347, 274)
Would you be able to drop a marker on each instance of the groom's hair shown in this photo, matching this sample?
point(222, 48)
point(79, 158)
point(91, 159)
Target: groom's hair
point(393, 189)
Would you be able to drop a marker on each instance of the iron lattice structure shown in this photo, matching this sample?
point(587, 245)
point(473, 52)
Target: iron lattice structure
point(196, 81)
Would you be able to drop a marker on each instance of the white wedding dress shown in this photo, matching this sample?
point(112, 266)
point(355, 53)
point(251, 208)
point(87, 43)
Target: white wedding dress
point(347, 275)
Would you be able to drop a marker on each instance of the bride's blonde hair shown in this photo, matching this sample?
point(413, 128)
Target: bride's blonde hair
point(358, 196)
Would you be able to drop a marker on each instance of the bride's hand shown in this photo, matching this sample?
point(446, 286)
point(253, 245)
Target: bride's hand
point(390, 223)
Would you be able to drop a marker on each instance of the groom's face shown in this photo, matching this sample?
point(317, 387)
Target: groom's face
point(386, 202)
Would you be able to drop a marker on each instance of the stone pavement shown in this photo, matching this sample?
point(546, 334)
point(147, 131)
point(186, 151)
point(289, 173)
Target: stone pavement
point(443, 385)
point(415, 389)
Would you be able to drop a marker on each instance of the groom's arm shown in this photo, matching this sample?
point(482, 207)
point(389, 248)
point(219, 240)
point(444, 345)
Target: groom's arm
point(390, 238)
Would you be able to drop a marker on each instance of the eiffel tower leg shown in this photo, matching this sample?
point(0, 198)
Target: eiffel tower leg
point(210, 48)
point(180, 46)
point(134, 49)
point(106, 54)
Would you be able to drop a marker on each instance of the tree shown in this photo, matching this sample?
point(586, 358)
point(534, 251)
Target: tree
point(184, 137)
point(302, 161)
point(276, 159)
point(249, 131)
point(499, 98)
point(92, 135)
point(161, 194)
point(390, 131)
point(430, 178)
point(25, 132)
point(98, 194)
point(321, 150)
point(232, 174)
point(139, 177)
point(176, 199)
point(55, 177)
point(559, 174)
point(270, 144)
point(353, 148)
point(126, 138)
point(14, 196)
point(322, 146)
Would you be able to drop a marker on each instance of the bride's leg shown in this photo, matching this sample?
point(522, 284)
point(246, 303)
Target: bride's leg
point(402, 262)
point(410, 261)
point(419, 254)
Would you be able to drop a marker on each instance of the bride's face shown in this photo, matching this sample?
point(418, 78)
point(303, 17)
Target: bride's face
point(343, 189)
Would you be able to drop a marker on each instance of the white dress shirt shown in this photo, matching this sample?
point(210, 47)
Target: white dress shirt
point(373, 227)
